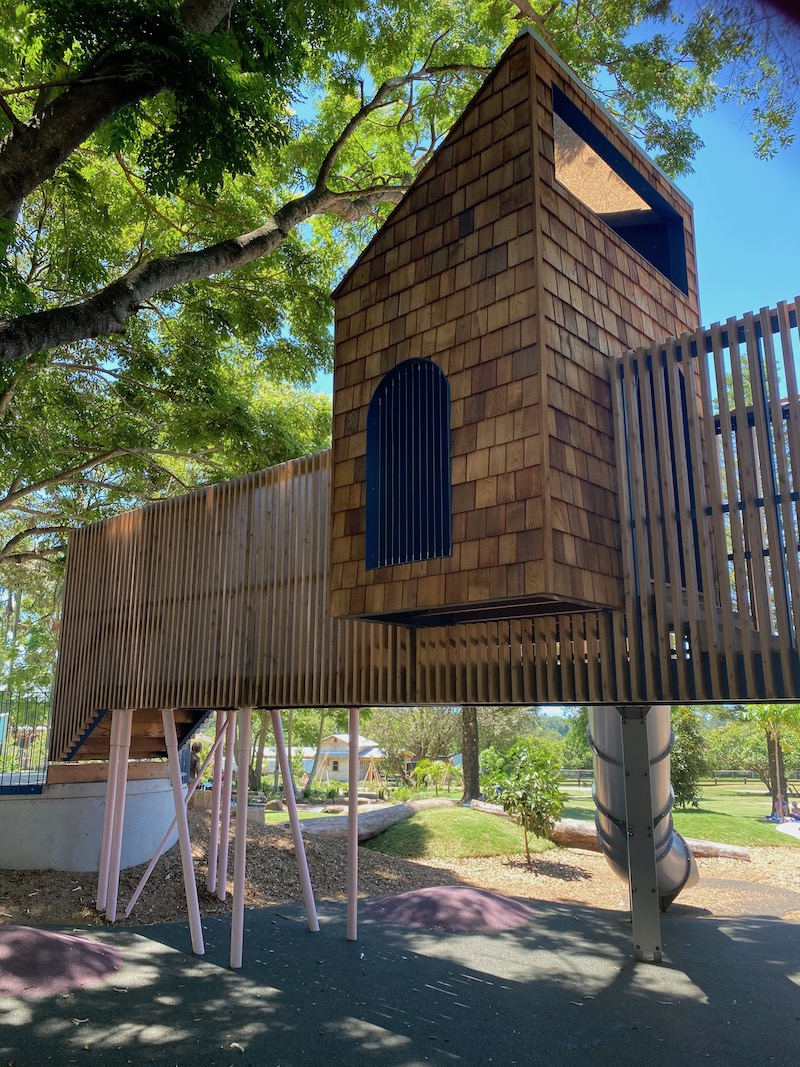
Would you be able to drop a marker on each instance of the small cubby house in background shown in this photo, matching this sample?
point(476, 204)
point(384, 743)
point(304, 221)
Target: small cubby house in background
point(473, 460)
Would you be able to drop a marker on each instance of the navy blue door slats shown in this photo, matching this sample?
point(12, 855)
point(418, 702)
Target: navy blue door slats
point(408, 466)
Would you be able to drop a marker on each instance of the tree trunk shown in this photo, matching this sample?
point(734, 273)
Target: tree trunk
point(261, 740)
point(315, 766)
point(469, 755)
point(370, 822)
point(777, 771)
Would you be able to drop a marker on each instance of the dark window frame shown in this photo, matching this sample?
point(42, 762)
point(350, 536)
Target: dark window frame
point(669, 221)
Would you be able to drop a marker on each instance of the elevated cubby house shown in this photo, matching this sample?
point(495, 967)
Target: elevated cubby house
point(473, 459)
point(548, 485)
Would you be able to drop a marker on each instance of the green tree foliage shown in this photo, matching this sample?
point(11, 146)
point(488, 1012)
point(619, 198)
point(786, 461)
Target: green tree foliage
point(577, 750)
point(182, 183)
point(420, 733)
point(761, 738)
point(436, 773)
point(689, 756)
point(527, 787)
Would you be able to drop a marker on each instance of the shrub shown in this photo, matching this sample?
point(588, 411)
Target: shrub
point(527, 787)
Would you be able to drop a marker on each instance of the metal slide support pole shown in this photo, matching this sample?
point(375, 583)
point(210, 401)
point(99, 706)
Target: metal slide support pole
point(121, 789)
point(225, 823)
point(216, 792)
point(108, 814)
point(187, 861)
point(240, 851)
point(352, 827)
point(642, 877)
point(294, 822)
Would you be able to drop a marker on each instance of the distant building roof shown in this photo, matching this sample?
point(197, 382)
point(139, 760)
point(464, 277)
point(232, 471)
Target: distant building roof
point(339, 745)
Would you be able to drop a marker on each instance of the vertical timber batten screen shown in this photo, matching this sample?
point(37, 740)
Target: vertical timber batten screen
point(708, 433)
point(408, 467)
point(217, 599)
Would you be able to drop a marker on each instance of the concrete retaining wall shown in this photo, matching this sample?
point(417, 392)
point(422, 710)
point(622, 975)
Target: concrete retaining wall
point(60, 829)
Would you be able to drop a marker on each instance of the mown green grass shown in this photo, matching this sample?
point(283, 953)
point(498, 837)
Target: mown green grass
point(453, 833)
point(273, 817)
point(729, 814)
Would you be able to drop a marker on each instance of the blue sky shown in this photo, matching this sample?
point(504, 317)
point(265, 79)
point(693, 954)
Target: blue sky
point(747, 220)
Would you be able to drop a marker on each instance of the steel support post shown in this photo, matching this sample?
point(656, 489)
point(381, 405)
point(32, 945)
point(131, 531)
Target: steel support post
point(642, 877)
point(352, 826)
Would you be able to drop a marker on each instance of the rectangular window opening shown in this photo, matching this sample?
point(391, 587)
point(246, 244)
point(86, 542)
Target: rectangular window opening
point(600, 176)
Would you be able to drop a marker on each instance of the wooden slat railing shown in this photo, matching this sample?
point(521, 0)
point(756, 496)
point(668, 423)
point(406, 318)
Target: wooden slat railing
point(708, 438)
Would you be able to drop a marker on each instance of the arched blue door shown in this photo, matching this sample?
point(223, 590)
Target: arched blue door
point(408, 466)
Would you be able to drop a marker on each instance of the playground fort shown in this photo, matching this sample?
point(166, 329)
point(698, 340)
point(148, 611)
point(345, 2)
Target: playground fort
point(547, 485)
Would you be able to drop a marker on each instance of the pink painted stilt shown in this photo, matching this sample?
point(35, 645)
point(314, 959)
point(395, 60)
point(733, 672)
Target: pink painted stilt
point(187, 862)
point(225, 802)
point(240, 851)
point(352, 827)
point(163, 843)
point(108, 814)
point(294, 822)
point(216, 791)
point(121, 788)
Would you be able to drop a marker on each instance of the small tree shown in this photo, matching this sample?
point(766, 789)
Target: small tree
point(689, 760)
point(424, 773)
point(528, 790)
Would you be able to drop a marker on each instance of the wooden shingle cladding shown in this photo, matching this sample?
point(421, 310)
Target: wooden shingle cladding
point(521, 295)
point(598, 297)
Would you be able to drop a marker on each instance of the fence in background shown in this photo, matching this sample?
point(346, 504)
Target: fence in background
point(24, 729)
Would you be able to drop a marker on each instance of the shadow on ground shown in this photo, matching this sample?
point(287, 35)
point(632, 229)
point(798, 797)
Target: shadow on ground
point(560, 990)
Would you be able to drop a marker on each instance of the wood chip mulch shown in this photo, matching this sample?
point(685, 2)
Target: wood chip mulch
point(768, 885)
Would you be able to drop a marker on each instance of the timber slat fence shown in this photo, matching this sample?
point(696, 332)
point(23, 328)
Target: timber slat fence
point(708, 434)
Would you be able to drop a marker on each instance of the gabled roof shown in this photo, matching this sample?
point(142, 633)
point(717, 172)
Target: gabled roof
point(340, 746)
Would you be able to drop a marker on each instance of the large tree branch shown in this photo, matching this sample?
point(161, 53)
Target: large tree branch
point(32, 151)
point(106, 312)
point(19, 491)
point(38, 554)
point(33, 531)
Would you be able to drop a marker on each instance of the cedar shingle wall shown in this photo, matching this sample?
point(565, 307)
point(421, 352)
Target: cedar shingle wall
point(521, 295)
point(451, 276)
point(598, 298)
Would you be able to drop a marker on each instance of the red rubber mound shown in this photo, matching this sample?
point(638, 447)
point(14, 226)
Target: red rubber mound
point(454, 909)
point(39, 963)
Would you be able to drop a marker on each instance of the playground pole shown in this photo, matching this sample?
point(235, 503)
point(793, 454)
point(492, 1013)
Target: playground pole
point(163, 844)
point(187, 862)
point(216, 789)
point(126, 721)
point(240, 851)
point(294, 822)
point(108, 814)
point(352, 827)
point(225, 827)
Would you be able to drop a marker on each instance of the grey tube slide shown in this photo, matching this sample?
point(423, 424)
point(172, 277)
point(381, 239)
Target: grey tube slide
point(675, 865)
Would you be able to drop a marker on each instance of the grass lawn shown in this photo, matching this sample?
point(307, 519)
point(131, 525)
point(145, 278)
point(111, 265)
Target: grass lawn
point(453, 833)
point(729, 814)
point(273, 817)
